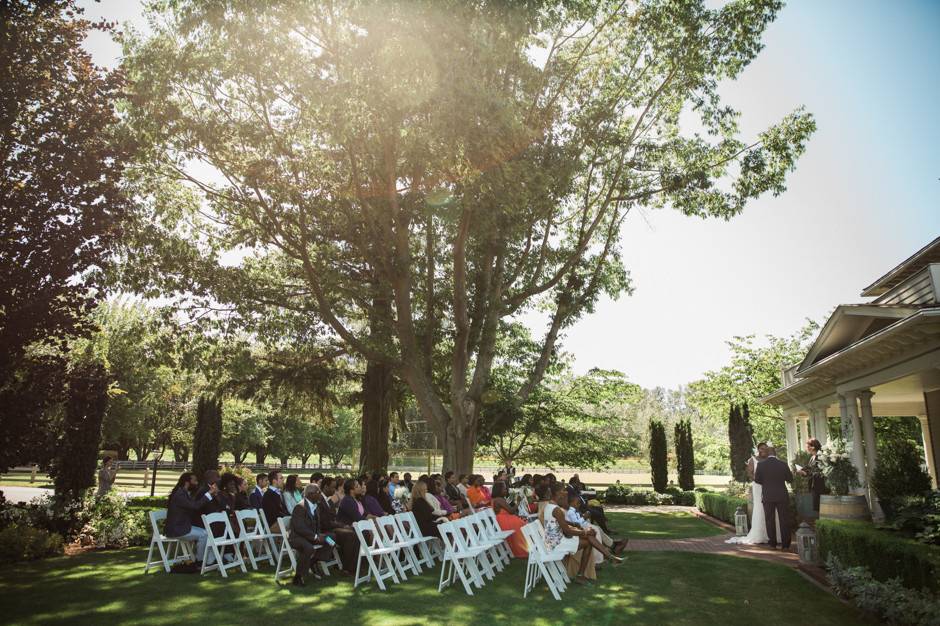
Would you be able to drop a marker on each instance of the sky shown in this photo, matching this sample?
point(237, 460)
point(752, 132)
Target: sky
point(864, 196)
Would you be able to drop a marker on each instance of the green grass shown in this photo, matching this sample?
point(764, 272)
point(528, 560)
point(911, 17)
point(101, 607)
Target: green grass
point(660, 525)
point(651, 588)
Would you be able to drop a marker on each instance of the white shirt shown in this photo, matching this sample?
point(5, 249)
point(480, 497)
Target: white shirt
point(573, 517)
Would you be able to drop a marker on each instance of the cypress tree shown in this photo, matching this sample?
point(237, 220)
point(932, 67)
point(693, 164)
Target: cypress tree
point(208, 435)
point(685, 460)
point(659, 470)
point(741, 440)
point(74, 466)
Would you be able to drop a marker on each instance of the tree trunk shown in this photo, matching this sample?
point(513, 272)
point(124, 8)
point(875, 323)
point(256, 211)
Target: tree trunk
point(376, 410)
point(304, 459)
point(260, 455)
point(240, 456)
point(181, 453)
point(284, 460)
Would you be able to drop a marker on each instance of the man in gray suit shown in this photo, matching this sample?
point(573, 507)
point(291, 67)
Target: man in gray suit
point(773, 475)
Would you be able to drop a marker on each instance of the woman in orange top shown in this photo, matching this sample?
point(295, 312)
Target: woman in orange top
point(475, 493)
point(508, 520)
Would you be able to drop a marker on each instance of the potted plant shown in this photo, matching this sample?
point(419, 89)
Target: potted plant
point(841, 477)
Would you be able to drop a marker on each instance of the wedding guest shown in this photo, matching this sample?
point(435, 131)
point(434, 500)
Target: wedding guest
point(241, 494)
point(507, 518)
point(292, 493)
point(406, 480)
point(558, 532)
point(348, 542)
point(106, 476)
point(209, 478)
point(443, 504)
point(450, 488)
point(351, 509)
point(307, 537)
point(463, 483)
point(315, 479)
point(272, 503)
point(371, 499)
point(392, 484)
point(425, 513)
point(387, 502)
point(476, 494)
point(182, 506)
point(261, 483)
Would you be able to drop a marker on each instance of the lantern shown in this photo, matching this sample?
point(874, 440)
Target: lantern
point(806, 544)
point(740, 522)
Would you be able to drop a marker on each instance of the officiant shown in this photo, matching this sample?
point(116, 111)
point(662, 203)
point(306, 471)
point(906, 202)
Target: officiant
point(813, 471)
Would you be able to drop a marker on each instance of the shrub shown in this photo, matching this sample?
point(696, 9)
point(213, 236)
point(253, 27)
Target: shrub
point(147, 502)
point(885, 554)
point(685, 457)
point(719, 506)
point(622, 494)
point(112, 524)
point(898, 473)
point(25, 543)
point(917, 517)
point(890, 600)
point(659, 468)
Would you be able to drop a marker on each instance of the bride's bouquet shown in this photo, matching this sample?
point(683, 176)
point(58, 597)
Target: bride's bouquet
point(403, 495)
point(836, 462)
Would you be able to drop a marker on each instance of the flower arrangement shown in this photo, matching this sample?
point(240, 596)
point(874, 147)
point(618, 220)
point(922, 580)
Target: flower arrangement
point(403, 495)
point(836, 462)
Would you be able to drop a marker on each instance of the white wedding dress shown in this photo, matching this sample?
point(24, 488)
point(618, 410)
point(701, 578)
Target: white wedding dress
point(758, 532)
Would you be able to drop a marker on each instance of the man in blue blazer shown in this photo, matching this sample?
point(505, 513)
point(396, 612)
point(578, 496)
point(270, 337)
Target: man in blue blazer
point(261, 483)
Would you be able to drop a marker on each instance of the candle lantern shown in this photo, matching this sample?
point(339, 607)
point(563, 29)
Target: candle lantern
point(806, 544)
point(740, 522)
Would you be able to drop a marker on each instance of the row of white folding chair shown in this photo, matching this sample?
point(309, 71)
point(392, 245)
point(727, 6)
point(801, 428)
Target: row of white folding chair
point(543, 563)
point(171, 549)
point(288, 552)
point(474, 548)
point(216, 545)
point(392, 546)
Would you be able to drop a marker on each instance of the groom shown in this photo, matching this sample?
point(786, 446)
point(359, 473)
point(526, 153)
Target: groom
point(773, 475)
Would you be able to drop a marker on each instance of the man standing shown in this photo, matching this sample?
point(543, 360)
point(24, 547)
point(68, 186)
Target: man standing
point(106, 476)
point(272, 503)
point(306, 537)
point(261, 483)
point(773, 475)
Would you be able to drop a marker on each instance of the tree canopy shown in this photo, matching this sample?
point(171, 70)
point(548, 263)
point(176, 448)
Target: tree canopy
point(410, 175)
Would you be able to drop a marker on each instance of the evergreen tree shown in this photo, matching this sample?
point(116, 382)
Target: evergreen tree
point(741, 438)
point(685, 460)
point(74, 467)
point(207, 439)
point(658, 463)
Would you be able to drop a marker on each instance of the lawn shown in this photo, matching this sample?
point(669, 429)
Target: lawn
point(660, 525)
point(651, 588)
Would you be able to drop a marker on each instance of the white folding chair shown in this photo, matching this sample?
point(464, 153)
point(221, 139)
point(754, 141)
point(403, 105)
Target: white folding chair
point(492, 560)
point(168, 547)
point(334, 562)
point(271, 535)
point(285, 551)
point(497, 533)
point(218, 545)
point(429, 548)
point(380, 560)
point(251, 529)
point(543, 563)
point(391, 537)
point(460, 560)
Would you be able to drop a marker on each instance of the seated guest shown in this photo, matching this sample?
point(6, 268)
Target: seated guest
point(435, 489)
point(450, 488)
point(209, 477)
point(507, 519)
point(575, 518)
point(392, 484)
point(389, 504)
point(476, 494)
point(424, 511)
point(345, 536)
point(371, 499)
point(261, 483)
point(406, 481)
point(292, 494)
point(182, 506)
point(315, 479)
point(463, 483)
point(241, 494)
point(558, 532)
point(351, 510)
point(307, 537)
point(272, 503)
point(525, 481)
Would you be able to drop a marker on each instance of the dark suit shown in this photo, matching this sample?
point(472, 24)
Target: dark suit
point(348, 512)
point(817, 482)
point(306, 537)
point(255, 498)
point(772, 475)
point(345, 536)
point(181, 507)
point(273, 507)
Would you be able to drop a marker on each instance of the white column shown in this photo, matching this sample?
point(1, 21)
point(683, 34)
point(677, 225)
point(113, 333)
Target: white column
point(928, 448)
point(792, 444)
point(868, 430)
point(820, 424)
point(851, 429)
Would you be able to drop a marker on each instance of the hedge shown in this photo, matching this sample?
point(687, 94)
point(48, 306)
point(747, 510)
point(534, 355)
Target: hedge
point(719, 506)
point(147, 502)
point(886, 555)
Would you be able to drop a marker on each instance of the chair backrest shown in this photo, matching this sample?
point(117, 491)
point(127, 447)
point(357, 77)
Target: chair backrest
point(283, 525)
point(489, 518)
point(157, 516)
point(449, 532)
point(464, 535)
point(367, 534)
point(249, 523)
point(533, 537)
point(408, 525)
point(219, 517)
point(389, 534)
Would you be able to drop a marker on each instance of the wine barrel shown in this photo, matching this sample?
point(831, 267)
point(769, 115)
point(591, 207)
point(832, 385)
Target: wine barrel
point(844, 507)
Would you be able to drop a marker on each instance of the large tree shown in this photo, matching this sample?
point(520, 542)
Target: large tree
point(60, 200)
point(423, 171)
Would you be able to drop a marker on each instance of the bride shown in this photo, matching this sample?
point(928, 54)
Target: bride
point(758, 533)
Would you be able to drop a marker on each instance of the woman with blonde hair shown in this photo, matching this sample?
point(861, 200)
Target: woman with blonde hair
point(427, 517)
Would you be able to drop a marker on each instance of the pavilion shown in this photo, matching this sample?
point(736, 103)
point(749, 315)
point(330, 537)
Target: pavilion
point(880, 358)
